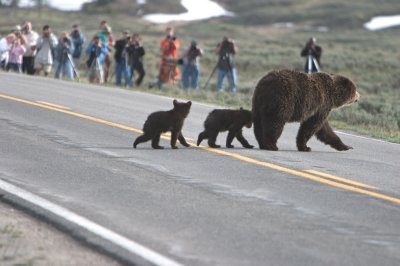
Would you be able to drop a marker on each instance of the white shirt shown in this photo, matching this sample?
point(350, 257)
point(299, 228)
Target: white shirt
point(44, 47)
point(31, 40)
point(4, 48)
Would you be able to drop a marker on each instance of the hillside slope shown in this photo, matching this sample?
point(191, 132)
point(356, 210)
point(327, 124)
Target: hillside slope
point(347, 14)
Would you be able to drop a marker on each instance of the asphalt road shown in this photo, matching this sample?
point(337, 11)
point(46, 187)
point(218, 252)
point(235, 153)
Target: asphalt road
point(199, 206)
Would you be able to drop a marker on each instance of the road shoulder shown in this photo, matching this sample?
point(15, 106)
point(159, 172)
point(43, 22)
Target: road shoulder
point(25, 240)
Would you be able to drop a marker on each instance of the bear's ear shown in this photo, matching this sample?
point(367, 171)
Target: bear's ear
point(241, 109)
point(175, 102)
point(189, 103)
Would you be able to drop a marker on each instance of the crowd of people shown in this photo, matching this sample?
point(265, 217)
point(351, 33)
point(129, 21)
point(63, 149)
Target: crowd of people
point(25, 51)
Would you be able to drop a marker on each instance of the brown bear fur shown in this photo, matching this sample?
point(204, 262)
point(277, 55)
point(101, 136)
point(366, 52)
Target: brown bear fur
point(163, 121)
point(220, 120)
point(290, 96)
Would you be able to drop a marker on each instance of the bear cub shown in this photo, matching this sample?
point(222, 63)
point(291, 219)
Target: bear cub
point(163, 121)
point(220, 120)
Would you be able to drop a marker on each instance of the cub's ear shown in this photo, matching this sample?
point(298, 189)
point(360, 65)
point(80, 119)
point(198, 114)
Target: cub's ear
point(241, 108)
point(189, 103)
point(175, 102)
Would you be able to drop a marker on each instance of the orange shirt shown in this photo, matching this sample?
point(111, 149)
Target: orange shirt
point(169, 48)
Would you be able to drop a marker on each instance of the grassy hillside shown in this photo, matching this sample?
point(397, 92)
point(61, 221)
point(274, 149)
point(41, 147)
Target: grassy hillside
point(331, 13)
point(130, 7)
point(371, 59)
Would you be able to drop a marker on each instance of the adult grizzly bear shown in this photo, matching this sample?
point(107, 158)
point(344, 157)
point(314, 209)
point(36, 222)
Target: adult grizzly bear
point(290, 96)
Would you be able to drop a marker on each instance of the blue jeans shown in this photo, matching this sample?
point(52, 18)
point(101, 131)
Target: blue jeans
point(63, 68)
point(14, 67)
point(190, 76)
point(231, 76)
point(123, 69)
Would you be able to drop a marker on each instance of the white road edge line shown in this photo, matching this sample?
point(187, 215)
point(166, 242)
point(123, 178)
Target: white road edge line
point(363, 137)
point(121, 241)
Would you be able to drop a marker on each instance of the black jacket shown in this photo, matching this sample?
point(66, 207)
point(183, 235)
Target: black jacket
point(119, 49)
point(136, 53)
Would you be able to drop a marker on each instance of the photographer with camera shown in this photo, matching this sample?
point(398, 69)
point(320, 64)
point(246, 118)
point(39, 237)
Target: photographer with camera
point(107, 38)
point(226, 51)
point(122, 66)
point(97, 52)
point(168, 70)
point(313, 53)
point(191, 66)
point(62, 57)
point(45, 50)
point(16, 52)
point(78, 40)
point(136, 52)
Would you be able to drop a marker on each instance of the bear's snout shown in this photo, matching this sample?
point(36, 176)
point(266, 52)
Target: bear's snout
point(357, 97)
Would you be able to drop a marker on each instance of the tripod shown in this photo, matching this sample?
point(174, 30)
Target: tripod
point(73, 67)
point(310, 61)
point(212, 73)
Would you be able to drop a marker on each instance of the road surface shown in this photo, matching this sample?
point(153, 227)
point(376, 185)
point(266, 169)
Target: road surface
point(71, 144)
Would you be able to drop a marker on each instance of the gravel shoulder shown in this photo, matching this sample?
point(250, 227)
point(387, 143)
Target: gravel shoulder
point(26, 241)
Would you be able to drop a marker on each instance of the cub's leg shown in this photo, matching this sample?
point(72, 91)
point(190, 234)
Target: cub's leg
point(202, 135)
point(307, 129)
point(243, 141)
point(141, 139)
point(212, 138)
point(182, 140)
point(230, 137)
point(174, 137)
point(155, 142)
point(327, 136)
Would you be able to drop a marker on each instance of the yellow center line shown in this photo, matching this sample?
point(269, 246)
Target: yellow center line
point(222, 152)
point(54, 105)
point(167, 135)
point(340, 179)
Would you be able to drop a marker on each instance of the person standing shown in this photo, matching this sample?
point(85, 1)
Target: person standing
point(136, 52)
point(78, 39)
point(191, 66)
point(107, 38)
point(30, 45)
point(45, 49)
point(16, 52)
point(122, 66)
point(5, 46)
point(62, 57)
point(226, 51)
point(168, 70)
point(96, 51)
point(313, 53)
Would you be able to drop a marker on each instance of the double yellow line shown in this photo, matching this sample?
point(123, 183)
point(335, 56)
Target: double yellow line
point(320, 177)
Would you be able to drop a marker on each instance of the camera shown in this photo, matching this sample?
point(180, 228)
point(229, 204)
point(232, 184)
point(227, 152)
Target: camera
point(227, 44)
point(193, 48)
point(171, 38)
point(25, 29)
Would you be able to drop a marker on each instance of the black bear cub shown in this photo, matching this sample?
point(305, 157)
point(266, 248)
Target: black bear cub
point(220, 120)
point(163, 121)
